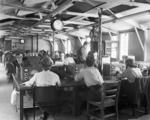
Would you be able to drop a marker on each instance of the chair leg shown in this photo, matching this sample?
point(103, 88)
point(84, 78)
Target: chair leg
point(34, 112)
point(54, 111)
point(88, 111)
point(145, 109)
point(116, 107)
point(102, 113)
point(133, 111)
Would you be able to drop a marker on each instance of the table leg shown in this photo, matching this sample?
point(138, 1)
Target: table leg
point(75, 91)
point(21, 105)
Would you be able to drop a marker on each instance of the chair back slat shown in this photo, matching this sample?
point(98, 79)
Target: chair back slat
point(111, 89)
point(110, 96)
point(44, 94)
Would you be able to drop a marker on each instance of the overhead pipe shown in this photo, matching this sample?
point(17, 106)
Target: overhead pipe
point(58, 10)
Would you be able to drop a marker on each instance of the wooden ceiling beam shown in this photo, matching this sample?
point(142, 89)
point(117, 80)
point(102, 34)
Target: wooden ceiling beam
point(103, 0)
point(77, 22)
point(90, 2)
point(58, 10)
point(106, 6)
point(83, 14)
point(20, 6)
point(137, 4)
point(127, 16)
point(148, 1)
point(139, 38)
point(129, 21)
point(113, 3)
point(113, 20)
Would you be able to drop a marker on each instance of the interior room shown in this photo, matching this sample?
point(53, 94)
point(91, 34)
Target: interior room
point(95, 47)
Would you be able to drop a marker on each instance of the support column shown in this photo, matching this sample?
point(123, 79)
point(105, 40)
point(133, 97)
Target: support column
point(100, 39)
point(119, 45)
point(32, 44)
point(53, 45)
point(37, 43)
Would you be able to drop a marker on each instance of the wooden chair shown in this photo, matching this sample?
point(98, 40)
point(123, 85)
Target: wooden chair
point(137, 93)
point(44, 96)
point(109, 97)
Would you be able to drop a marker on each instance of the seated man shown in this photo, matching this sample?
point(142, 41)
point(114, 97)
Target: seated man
point(10, 69)
point(44, 78)
point(62, 60)
point(93, 80)
point(131, 71)
point(25, 62)
point(60, 67)
point(69, 59)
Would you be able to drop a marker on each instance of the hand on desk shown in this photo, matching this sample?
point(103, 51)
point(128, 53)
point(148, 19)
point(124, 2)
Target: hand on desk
point(23, 84)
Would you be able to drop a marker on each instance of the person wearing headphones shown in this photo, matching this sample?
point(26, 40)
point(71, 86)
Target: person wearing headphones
point(44, 78)
point(92, 79)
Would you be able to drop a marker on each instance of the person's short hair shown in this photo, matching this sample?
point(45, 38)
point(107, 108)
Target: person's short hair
point(90, 61)
point(85, 43)
point(68, 55)
point(130, 63)
point(24, 58)
point(42, 53)
point(46, 63)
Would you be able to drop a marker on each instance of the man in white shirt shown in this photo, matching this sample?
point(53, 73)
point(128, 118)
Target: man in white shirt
point(44, 78)
point(69, 59)
point(93, 80)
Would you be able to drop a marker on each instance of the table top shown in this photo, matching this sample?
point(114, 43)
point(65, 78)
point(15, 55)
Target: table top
point(65, 82)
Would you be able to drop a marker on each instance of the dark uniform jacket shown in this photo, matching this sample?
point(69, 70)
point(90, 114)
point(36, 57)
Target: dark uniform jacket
point(82, 53)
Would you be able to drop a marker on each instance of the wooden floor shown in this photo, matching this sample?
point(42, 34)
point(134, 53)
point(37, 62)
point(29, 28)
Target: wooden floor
point(7, 111)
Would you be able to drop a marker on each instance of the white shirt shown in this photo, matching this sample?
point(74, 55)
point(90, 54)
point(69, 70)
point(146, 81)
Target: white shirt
point(91, 76)
point(70, 60)
point(131, 74)
point(44, 78)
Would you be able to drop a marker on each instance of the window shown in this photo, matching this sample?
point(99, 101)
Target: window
point(56, 47)
point(114, 38)
point(124, 45)
point(114, 48)
point(67, 46)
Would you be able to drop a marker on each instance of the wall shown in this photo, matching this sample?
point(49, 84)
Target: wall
point(7, 45)
point(42, 44)
point(106, 37)
point(135, 47)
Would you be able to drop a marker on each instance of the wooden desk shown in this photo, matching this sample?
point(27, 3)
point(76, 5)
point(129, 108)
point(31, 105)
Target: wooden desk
point(65, 83)
point(22, 89)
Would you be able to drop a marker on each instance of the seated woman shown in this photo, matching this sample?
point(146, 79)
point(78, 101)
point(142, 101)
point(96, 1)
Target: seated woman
point(44, 78)
point(131, 71)
point(93, 80)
